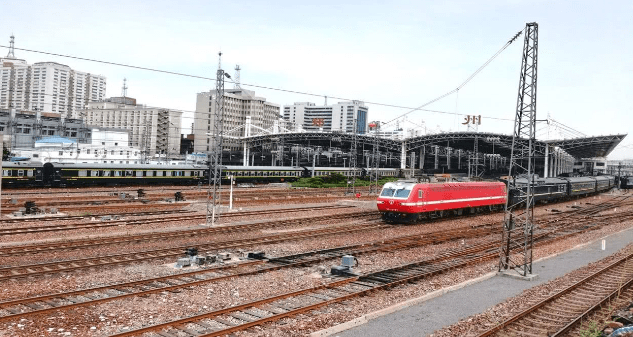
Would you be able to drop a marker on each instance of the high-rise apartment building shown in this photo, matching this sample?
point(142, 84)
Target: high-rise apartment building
point(155, 130)
point(238, 104)
point(47, 87)
point(337, 117)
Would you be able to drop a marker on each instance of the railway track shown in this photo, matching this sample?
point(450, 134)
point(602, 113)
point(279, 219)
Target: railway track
point(148, 189)
point(83, 205)
point(81, 217)
point(41, 304)
point(559, 313)
point(85, 297)
point(24, 271)
point(133, 222)
point(242, 317)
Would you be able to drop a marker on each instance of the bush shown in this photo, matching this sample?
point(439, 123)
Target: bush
point(336, 180)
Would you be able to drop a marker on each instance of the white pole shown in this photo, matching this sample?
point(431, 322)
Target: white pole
point(231, 195)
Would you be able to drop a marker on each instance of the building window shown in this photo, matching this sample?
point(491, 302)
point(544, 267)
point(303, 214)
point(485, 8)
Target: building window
point(61, 153)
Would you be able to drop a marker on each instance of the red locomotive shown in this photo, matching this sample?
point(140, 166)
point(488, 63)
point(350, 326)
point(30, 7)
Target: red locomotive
point(407, 201)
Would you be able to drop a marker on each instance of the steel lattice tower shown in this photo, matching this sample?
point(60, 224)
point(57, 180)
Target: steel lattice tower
point(215, 160)
point(11, 54)
point(518, 225)
point(373, 186)
point(236, 80)
point(353, 159)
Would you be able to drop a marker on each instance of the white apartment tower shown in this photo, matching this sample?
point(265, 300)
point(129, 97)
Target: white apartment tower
point(154, 130)
point(337, 117)
point(47, 86)
point(238, 104)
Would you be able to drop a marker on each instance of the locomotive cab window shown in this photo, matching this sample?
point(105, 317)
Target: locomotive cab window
point(402, 193)
point(387, 192)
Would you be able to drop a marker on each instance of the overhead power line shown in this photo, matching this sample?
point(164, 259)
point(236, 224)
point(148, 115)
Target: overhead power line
point(420, 108)
point(463, 83)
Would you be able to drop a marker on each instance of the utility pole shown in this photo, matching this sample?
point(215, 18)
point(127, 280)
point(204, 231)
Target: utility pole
point(215, 160)
point(518, 224)
point(373, 186)
point(351, 188)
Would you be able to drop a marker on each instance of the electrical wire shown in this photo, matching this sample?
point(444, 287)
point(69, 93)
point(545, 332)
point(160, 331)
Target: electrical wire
point(280, 89)
point(465, 82)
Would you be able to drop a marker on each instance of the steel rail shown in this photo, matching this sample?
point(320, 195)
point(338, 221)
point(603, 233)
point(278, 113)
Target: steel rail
point(373, 281)
point(112, 223)
point(80, 217)
point(23, 271)
point(613, 295)
point(295, 260)
point(155, 236)
point(272, 264)
point(567, 290)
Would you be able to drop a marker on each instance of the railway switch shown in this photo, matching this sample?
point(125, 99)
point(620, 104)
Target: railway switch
point(256, 255)
point(224, 256)
point(199, 260)
point(178, 196)
point(183, 262)
point(346, 267)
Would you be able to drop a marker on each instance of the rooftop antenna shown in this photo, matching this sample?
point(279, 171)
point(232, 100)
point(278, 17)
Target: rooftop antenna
point(11, 54)
point(124, 88)
point(236, 80)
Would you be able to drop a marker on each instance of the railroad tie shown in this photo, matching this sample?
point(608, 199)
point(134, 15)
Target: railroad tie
point(271, 308)
point(13, 311)
point(241, 316)
point(319, 296)
point(225, 322)
point(189, 331)
point(206, 326)
point(165, 334)
point(253, 313)
point(33, 306)
point(51, 302)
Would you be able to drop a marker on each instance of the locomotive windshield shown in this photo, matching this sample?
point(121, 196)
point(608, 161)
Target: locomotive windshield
point(387, 192)
point(402, 193)
point(395, 192)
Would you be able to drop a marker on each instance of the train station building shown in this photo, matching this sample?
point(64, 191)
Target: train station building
point(474, 153)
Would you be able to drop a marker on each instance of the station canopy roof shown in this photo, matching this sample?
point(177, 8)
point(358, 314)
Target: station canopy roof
point(588, 147)
point(491, 143)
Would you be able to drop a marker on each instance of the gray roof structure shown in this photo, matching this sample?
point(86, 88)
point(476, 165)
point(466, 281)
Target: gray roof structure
point(587, 147)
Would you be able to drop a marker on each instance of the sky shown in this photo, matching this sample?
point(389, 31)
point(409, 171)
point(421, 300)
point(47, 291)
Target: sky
point(403, 53)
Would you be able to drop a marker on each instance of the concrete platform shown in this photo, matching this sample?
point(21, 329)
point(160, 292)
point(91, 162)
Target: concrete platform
point(422, 316)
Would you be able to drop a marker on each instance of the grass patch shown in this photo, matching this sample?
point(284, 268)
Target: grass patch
point(336, 180)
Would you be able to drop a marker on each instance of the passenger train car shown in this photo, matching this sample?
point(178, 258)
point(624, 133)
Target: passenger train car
point(407, 201)
point(626, 182)
point(65, 174)
point(32, 173)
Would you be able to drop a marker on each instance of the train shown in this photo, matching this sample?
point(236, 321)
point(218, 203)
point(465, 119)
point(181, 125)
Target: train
point(408, 201)
point(34, 174)
point(626, 183)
